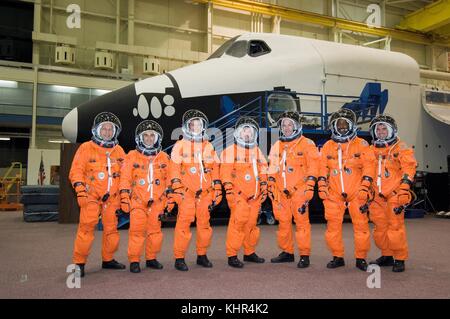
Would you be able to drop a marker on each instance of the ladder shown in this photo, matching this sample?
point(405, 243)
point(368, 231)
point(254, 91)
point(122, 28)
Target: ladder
point(7, 189)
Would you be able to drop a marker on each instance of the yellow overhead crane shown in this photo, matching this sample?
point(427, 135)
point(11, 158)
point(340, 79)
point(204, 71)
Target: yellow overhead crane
point(332, 22)
point(434, 17)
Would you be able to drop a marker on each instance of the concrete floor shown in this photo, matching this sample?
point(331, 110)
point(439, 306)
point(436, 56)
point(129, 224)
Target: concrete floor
point(34, 257)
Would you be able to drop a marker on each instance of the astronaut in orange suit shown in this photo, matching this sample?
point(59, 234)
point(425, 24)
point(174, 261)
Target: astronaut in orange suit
point(293, 170)
point(142, 193)
point(243, 172)
point(346, 173)
point(396, 167)
point(195, 187)
point(95, 176)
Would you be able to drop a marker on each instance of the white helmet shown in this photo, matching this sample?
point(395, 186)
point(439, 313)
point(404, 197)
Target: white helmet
point(391, 127)
point(338, 135)
point(246, 132)
point(191, 119)
point(100, 120)
point(148, 127)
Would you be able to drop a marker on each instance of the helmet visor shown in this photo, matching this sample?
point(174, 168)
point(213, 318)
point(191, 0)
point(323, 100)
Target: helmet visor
point(288, 126)
point(246, 134)
point(195, 126)
point(383, 131)
point(342, 126)
point(106, 131)
point(149, 138)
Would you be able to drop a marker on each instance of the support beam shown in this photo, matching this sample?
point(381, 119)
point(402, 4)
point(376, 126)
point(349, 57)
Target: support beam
point(139, 50)
point(326, 21)
point(130, 34)
point(443, 31)
point(276, 25)
point(53, 38)
point(429, 18)
point(209, 34)
point(36, 58)
point(36, 29)
point(34, 108)
point(117, 32)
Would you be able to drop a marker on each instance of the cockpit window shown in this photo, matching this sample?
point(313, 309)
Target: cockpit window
point(221, 50)
point(258, 48)
point(238, 49)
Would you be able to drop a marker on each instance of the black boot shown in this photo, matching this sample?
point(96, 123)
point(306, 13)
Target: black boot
point(153, 263)
point(304, 262)
point(399, 266)
point(203, 260)
point(336, 262)
point(254, 258)
point(81, 266)
point(284, 257)
point(383, 261)
point(181, 265)
point(233, 261)
point(113, 264)
point(361, 264)
point(135, 267)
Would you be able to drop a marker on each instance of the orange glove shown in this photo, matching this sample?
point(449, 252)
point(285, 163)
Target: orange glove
point(229, 193)
point(310, 183)
point(364, 189)
point(80, 189)
point(323, 187)
point(263, 189)
point(217, 192)
point(176, 185)
point(178, 191)
point(125, 205)
point(403, 194)
point(271, 185)
point(272, 190)
point(173, 199)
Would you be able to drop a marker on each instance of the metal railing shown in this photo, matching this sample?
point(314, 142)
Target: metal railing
point(259, 109)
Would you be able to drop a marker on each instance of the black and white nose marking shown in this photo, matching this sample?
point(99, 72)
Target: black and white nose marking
point(169, 110)
point(142, 107)
point(155, 108)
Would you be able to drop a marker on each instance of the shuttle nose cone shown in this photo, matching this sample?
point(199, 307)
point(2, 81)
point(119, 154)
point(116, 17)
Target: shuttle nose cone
point(70, 126)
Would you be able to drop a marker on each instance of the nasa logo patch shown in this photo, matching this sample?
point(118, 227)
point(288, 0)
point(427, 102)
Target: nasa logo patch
point(193, 170)
point(157, 182)
point(247, 177)
point(101, 175)
point(334, 172)
point(141, 182)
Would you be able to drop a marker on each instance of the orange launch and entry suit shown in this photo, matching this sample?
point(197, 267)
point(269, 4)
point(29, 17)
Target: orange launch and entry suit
point(396, 167)
point(194, 167)
point(345, 176)
point(143, 185)
point(95, 175)
point(243, 174)
point(294, 166)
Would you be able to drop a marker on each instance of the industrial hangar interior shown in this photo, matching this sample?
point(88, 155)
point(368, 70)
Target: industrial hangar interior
point(246, 149)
